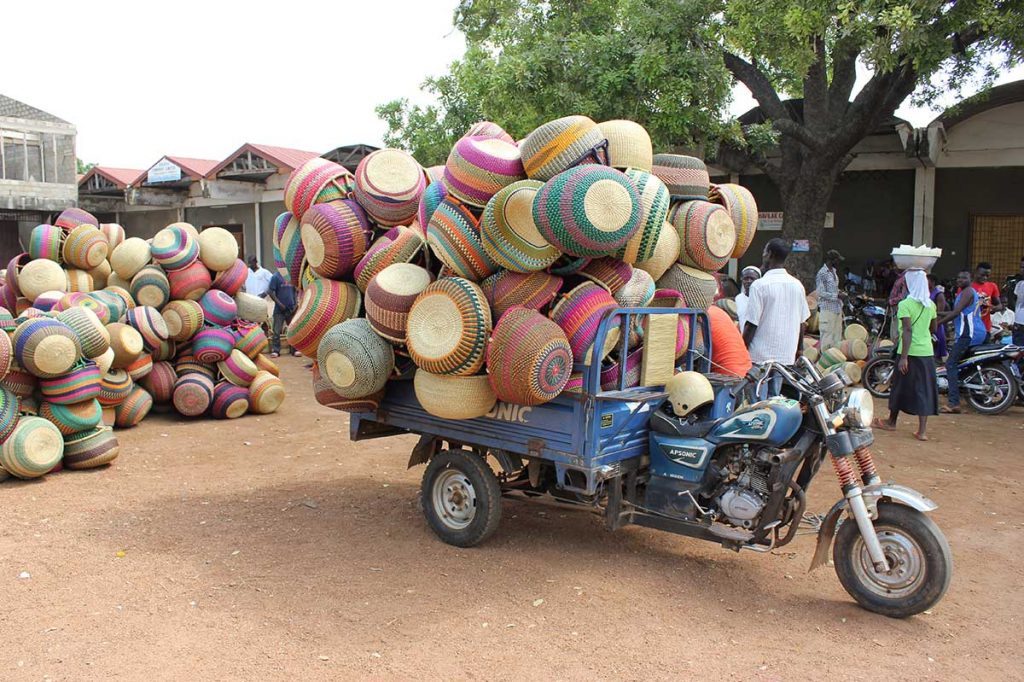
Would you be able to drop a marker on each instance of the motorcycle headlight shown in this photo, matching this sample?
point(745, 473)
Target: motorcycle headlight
point(860, 409)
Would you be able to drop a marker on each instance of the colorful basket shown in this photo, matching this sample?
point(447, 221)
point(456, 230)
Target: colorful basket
point(698, 288)
point(313, 178)
point(610, 273)
point(229, 401)
point(579, 313)
point(534, 290)
point(432, 197)
point(611, 373)
point(186, 363)
point(509, 234)
point(70, 218)
point(79, 281)
point(654, 207)
point(637, 292)
point(99, 274)
point(218, 307)
point(33, 448)
point(149, 323)
point(588, 211)
point(389, 298)
point(212, 344)
point(183, 319)
point(150, 287)
point(454, 397)
point(389, 183)
point(133, 409)
point(85, 247)
point(448, 327)
point(193, 394)
point(166, 350)
point(121, 300)
point(73, 418)
point(10, 404)
point(19, 382)
point(831, 357)
point(46, 347)
point(115, 386)
point(238, 368)
point(742, 208)
point(454, 238)
point(92, 335)
point(325, 394)
point(46, 241)
point(80, 383)
point(174, 248)
point(529, 360)
point(706, 234)
point(126, 342)
point(129, 257)
point(232, 280)
point(46, 301)
point(478, 167)
point(190, 283)
point(160, 381)
point(324, 304)
point(7, 323)
point(666, 252)
point(335, 236)
point(6, 353)
point(91, 449)
point(252, 341)
point(685, 176)
point(562, 144)
point(39, 276)
point(293, 253)
point(140, 368)
point(266, 393)
point(398, 245)
point(490, 130)
point(629, 145)
point(354, 359)
point(251, 308)
point(267, 365)
point(114, 234)
point(218, 248)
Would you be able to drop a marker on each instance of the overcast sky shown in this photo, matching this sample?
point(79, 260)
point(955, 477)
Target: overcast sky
point(199, 79)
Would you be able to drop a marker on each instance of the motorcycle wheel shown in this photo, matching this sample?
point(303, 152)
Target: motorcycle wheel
point(918, 554)
point(877, 376)
point(1000, 394)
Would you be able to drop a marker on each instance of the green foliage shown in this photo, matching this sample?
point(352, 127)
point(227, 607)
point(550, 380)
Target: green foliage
point(83, 167)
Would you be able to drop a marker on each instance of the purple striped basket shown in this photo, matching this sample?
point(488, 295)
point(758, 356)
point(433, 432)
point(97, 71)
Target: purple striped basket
point(454, 238)
point(148, 321)
point(229, 401)
point(579, 313)
point(45, 242)
point(529, 359)
point(232, 280)
point(312, 179)
point(212, 344)
point(389, 183)
point(174, 248)
point(218, 307)
point(335, 236)
point(478, 167)
point(80, 384)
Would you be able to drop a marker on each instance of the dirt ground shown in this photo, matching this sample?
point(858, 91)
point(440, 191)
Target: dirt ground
point(273, 548)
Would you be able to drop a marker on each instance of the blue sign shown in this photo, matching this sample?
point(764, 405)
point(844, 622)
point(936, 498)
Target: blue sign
point(164, 171)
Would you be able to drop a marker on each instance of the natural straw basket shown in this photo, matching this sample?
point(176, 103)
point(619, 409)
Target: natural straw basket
point(266, 393)
point(129, 257)
point(34, 448)
point(40, 276)
point(389, 298)
point(218, 248)
point(509, 234)
point(448, 327)
point(251, 308)
point(126, 343)
point(354, 359)
point(629, 145)
point(454, 397)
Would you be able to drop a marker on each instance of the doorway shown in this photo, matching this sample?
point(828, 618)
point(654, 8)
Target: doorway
point(237, 231)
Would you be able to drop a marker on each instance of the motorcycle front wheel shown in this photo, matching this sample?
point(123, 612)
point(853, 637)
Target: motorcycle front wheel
point(920, 562)
point(877, 376)
point(999, 393)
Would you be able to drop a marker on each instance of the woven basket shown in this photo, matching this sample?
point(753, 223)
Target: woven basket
point(218, 307)
point(454, 397)
point(335, 236)
point(266, 393)
point(7, 322)
point(133, 409)
point(831, 357)
point(487, 129)
point(149, 323)
point(183, 319)
point(293, 253)
point(28, 406)
point(79, 281)
point(478, 167)
point(398, 245)
point(114, 234)
point(229, 401)
point(685, 176)
point(265, 364)
point(579, 313)
point(6, 353)
point(90, 449)
point(251, 308)
point(252, 341)
point(742, 208)
point(174, 248)
point(529, 360)
point(706, 234)
point(588, 211)
point(190, 283)
point(40, 276)
point(325, 394)
point(610, 273)
point(238, 368)
point(85, 247)
point(160, 381)
point(610, 373)
point(9, 413)
point(126, 343)
point(637, 292)
point(855, 331)
point(311, 180)
point(854, 349)
point(698, 288)
point(92, 335)
point(389, 183)
point(150, 287)
point(232, 280)
point(70, 218)
point(115, 386)
point(454, 238)
point(729, 306)
point(129, 257)
point(73, 418)
point(46, 301)
point(100, 276)
point(324, 304)
point(193, 394)
point(671, 298)
point(33, 448)
point(566, 265)
point(561, 144)
point(629, 145)
point(218, 248)
point(654, 207)
point(448, 327)
point(389, 298)
point(46, 347)
point(212, 344)
point(534, 290)
point(186, 363)
point(46, 241)
point(19, 382)
point(509, 234)
point(120, 300)
point(432, 197)
point(140, 368)
point(354, 359)
point(167, 350)
point(105, 361)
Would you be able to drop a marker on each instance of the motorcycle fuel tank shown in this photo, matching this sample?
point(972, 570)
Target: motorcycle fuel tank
point(769, 422)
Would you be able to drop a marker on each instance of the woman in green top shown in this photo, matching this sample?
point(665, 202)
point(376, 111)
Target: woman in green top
point(913, 389)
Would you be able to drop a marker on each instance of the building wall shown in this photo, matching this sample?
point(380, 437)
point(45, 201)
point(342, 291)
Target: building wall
point(145, 224)
point(242, 215)
point(268, 213)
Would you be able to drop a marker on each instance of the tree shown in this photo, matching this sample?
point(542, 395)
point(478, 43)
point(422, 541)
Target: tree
point(82, 167)
point(668, 64)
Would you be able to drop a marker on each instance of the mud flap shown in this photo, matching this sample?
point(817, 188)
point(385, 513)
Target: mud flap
point(825, 535)
point(426, 448)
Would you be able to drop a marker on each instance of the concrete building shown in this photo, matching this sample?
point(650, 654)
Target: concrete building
point(37, 171)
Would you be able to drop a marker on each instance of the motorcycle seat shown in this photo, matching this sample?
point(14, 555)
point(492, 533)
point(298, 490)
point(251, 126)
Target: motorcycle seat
point(669, 425)
point(985, 348)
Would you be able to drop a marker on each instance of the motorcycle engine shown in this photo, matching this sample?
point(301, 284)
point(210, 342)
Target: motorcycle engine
point(744, 491)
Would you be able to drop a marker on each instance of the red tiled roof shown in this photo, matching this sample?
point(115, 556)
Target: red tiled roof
point(122, 177)
point(284, 158)
point(196, 168)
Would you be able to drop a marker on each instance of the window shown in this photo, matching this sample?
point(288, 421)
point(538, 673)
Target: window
point(21, 156)
point(1000, 241)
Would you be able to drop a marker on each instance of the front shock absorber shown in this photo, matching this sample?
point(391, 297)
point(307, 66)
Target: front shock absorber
point(844, 472)
point(866, 462)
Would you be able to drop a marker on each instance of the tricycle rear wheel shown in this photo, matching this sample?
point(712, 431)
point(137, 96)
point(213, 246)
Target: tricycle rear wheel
point(461, 498)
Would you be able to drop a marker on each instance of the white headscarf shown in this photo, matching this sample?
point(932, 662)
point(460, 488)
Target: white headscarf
point(917, 287)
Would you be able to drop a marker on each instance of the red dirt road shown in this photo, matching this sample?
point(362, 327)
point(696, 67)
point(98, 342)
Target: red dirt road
point(273, 548)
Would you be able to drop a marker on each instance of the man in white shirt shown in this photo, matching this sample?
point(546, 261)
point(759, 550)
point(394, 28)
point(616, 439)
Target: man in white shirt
point(777, 311)
point(747, 277)
point(258, 279)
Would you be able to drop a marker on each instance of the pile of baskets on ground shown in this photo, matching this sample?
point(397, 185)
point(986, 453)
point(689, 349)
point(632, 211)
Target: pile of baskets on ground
point(100, 329)
point(850, 355)
point(485, 279)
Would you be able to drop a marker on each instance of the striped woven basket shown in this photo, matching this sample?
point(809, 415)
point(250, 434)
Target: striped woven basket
point(509, 234)
point(186, 363)
point(167, 350)
point(293, 253)
point(561, 144)
point(487, 129)
point(854, 349)
point(190, 283)
point(654, 207)
point(252, 340)
point(335, 237)
point(133, 409)
point(232, 280)
point(611, 374)
point(150, 287)
point(448, 327)
point(150, 324)
point(10, 404)
point(73, 418)
point(129, 257)
point(6, 353)
point(354, 359)
point(312, 179)
point(183, 319)
point(212, 344)
point(46, 241)
point(324, 304)
point(454, 238)
point(432, 197)
point(398, 245)
point(48, 300)
point(267, 365)
point(831, 357)
point(325, 394)
point(579, 313)
point(706, 234)
point(238, 368)
point(79, 281)
point(85, 247)
point(91, 449)
point(454, 397)
point(478, 167)
point(638, 291)
point(46, 347)
point(140, 367)
point(218, 248)
point(229, 401)
point(19, 382)
point(389, 184)
point(266, 393)
point(218, 307)
point(529, 360)
point(193, 394)
point(99, 274)
point(629, 145)
point(534, 290)
point(698, 288)
point(610, 273)
point(70, 218)
point(7, 322)
point(742, 208)
point(389, 298)
point(34, 448)
point(685, 176)
point(115, 386)
point(160, 382)
point(114, 234)
point(38, 277)
point(81, 383)
point(588, 211)
point(174, 248)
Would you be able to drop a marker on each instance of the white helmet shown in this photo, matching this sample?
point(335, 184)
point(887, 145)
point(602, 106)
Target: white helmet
point(688, 391)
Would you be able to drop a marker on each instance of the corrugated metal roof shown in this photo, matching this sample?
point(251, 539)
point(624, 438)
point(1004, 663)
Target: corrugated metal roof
point(121, 177)
point(12, 108)
point(284, 158)
point(196, 168)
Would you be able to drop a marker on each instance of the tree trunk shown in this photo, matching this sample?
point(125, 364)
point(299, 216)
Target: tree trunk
point(804, 203)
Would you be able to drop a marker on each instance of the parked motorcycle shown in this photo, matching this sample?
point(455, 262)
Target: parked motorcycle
point(988, 379)
point(863, 311)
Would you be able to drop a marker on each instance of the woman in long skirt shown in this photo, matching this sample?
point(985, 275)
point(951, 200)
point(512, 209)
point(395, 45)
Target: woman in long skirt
point(913, 388)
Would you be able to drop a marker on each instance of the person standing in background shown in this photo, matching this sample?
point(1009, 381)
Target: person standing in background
point(776, 316)
point(968, 331)
point(258, 279)
point(938, 296)
point(1018, 311)
point(830, 306)
point(747, 277)
point(282, 293)
point(869, 278)
point(989, 293)
point(728, 353)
